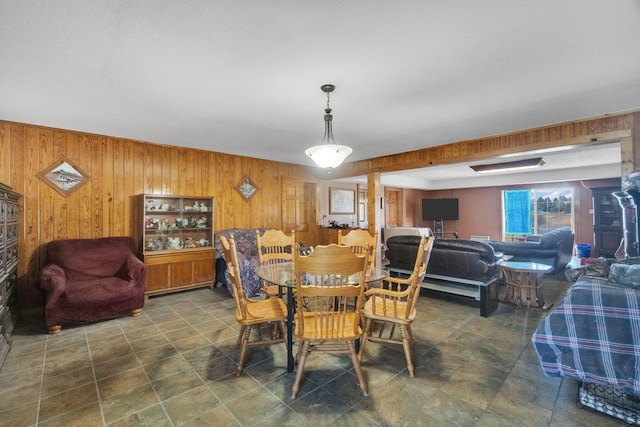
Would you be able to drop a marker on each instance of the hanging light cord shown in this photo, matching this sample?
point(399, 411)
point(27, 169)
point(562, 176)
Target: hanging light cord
point(328, 129)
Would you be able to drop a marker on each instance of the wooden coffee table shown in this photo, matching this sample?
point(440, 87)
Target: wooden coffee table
point(524, 282)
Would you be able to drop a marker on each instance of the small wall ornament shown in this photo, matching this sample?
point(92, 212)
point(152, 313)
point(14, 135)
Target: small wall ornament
point(246, 188)
point(64, 177)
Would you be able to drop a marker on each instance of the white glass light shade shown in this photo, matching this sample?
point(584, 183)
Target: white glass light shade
point(328, 155)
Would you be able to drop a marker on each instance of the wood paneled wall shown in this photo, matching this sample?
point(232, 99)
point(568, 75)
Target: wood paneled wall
point(120, 169)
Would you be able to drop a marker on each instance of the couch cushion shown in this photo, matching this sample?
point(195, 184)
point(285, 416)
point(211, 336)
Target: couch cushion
point(449, 257)
point(551, 238)
point(102, 257)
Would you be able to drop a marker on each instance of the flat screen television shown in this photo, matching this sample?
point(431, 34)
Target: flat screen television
point(439, 209)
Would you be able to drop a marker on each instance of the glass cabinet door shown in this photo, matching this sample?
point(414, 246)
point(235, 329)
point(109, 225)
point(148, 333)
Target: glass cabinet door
point(175, 224)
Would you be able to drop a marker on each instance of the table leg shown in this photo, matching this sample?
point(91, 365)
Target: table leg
point(544, 306)
point(290, 330)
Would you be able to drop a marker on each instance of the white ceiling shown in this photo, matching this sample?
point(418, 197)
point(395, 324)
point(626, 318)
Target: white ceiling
point(244, 77)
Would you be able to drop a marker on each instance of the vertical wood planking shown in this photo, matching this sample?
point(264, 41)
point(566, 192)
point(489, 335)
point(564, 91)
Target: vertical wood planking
point(60, 219)
point(118, 224)
point(5, 152)
point(120, 169)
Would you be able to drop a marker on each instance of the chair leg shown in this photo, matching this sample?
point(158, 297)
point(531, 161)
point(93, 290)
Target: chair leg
point(303, 351)
point(411, 338)
point(239, 341)
point(55, 329)
point(365, 337)
point(407, 348)
point(283, 329)
point(243, 350)
point(136, 312)
point(356, 367)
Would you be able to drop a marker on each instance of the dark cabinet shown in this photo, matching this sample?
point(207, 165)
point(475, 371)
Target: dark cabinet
point(607, 222)
point(8, 266)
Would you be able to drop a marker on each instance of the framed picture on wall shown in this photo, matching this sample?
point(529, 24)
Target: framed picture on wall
point(64, 177)
point(342, 201)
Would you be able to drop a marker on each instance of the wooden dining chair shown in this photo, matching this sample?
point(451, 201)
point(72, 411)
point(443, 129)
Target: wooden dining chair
point(274, 246)
point(331, 322)
point(394, 304)
point(253, 315)
point(360, 241)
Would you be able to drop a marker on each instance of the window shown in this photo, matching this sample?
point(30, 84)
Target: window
point(533, 211)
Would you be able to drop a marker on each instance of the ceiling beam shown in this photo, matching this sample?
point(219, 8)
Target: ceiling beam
point(610, 128)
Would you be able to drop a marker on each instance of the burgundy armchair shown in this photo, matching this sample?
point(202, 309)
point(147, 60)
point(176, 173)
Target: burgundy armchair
point(86, 280)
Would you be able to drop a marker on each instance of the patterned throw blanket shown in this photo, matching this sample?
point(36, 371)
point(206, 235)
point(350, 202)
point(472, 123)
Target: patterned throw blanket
point(593, 335)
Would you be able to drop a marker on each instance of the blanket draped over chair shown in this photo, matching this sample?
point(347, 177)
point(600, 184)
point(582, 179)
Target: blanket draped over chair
point(87, 280)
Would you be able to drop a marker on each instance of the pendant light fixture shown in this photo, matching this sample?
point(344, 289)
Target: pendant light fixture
point(328, 155)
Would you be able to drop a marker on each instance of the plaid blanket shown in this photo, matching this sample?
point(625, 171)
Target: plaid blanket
point(593, 335)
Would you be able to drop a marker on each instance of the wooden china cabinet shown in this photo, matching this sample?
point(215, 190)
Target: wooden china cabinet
point(174, 238)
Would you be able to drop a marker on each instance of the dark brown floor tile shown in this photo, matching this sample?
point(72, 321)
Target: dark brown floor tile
point(115, 366)
point(143, 332)
point(396, 403)
point(192, 342)
point(156, 354)
point(71, 379)
point(254, 406)
point(69, 400)
point(122, 381)
point(219, 416)
point(19, 394)
point(175, 384)
point(150, 342)
point(284, 417)
point(89, 415)
point(20, 416)
point(166, 367)
point(190, 405)
point(153, 416)
point(446, 409)
point(232, 387)
point(128, 402)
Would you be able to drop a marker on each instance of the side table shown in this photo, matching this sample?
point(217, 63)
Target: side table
point(523, 281)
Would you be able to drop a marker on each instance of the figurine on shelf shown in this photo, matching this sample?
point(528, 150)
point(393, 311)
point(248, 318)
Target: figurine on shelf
point(203, 207)
point(189, 243)
point(174, 242)
point(201, 222)
point(158, 245)
point(149, 244)
point(203, 242)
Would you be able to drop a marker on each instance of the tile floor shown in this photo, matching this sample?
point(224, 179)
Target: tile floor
point(174, 366)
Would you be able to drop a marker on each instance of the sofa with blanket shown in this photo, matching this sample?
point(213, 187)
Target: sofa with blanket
point(554, 248)
point(593, 337)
